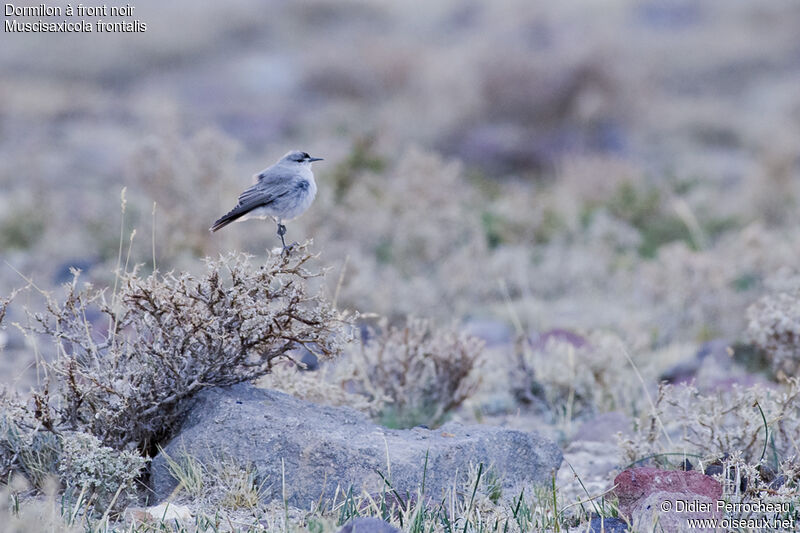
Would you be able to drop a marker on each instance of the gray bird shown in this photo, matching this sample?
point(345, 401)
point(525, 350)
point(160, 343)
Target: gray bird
point(282, 192)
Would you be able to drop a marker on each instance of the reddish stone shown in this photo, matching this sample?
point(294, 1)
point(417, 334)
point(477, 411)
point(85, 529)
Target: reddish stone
point(635, 484)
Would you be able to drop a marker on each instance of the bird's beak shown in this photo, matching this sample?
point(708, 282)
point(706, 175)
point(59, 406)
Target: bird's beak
point(312, 159)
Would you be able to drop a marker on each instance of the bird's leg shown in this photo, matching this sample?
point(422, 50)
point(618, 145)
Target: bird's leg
point(281, 233)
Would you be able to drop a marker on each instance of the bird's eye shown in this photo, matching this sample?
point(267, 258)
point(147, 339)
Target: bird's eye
point(306, 156)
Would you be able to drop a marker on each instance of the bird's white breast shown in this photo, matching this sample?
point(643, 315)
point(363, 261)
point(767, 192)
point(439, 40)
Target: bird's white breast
point(303, 201)
point(292, 205)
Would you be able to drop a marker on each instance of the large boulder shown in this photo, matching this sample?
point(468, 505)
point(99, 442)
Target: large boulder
point(318, 448)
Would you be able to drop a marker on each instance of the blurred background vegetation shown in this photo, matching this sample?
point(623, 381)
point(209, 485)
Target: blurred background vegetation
point(627, 165)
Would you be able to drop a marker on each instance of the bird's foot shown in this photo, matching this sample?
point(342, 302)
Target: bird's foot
point(287, 250)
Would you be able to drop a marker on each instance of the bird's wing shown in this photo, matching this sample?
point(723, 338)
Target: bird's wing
point(271, 186)
point(266, 190)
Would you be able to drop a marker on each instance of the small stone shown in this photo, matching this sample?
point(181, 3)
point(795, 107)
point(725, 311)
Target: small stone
point(492, 332)
point(600, 524)
point(310, 360)
point(368, 525)
point(165, 512)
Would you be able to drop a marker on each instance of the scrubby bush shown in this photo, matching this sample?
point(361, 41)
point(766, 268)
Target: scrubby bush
point(774, 326)
point(421, 372)
point(758, 423)
point(575, 375)
point(746, 437)
point(127, 365)
point(105, 475)
point(401, 375)
point(3, 307)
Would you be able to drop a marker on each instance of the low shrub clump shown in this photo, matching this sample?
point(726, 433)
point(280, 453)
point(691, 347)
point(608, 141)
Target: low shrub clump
point(746, 437)
point(774, 326)
point(757, 422)
point(107, 476)
point(419, 373)
point(575, 375)
point(416, 374)
point(127, 364)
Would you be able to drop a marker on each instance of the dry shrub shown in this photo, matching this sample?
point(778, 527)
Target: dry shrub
point(105, 475)
point(774, 326)
point(574, 374)
point(721, 423)
point(126, 368)
point(403, 376)
point(4, 302)
point(744, 481)
point(422, 372)
point(747, 438)
point(694, 291)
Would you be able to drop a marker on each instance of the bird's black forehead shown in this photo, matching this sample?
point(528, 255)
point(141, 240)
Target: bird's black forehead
point(298, 155)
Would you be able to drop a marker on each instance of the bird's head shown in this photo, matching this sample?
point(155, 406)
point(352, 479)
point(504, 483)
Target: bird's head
point(297, 157)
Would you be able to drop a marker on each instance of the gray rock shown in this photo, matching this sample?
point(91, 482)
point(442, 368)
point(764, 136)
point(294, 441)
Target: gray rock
point(368, 525)
point(309, 359)
point(492, 332)
point(715, 352)
point(320, 447)
point(600, 524)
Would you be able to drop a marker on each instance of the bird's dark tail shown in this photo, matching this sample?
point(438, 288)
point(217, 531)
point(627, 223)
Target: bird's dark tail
point(232, 216)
